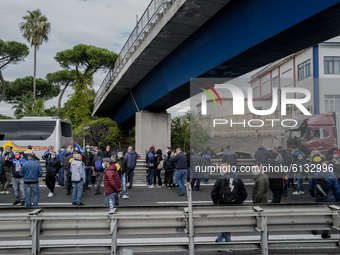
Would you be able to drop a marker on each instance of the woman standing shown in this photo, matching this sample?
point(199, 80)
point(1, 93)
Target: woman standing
point(169, 170)
point(151, 165)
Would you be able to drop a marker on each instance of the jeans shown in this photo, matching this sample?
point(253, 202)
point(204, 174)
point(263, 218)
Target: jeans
point(68, 184)
point(61, 176)
point(50, 182)
point(206, 175)
point(188, 174)
point(291, 179)
point(224, 235)
point(174, 176)
point(112, 197)
point(99, 176)
point(19, 189)
point(123, 181)
point(300, 184)
point(29, 188)
point(130, 177)
point(180, 179)
point(88, 172)
point(151, 174)
point(198, 183)
point(77, 191)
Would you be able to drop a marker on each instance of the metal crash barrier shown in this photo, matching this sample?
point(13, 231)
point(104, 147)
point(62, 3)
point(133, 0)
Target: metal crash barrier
point(186, 222)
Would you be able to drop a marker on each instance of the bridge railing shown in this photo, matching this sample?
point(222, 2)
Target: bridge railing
point(144, 26)
point(156, 220)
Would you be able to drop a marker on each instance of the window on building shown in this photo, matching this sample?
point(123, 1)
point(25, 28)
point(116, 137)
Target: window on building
point(304, 70)
point(256, 92)
point(276, 82)
point(332, 103)
point(331, 65)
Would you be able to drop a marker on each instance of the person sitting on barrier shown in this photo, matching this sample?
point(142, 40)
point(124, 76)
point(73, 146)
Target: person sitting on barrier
point(261, 185)
point(324, 187)
point(228, 190)
point(112, 183)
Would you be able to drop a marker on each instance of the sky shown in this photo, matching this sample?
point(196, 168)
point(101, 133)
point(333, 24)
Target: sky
point(101, 23)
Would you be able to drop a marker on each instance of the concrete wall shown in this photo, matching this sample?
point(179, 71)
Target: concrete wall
point(152, 129)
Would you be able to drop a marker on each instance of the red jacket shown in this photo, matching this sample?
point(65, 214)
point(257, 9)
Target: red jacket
point(111, 180)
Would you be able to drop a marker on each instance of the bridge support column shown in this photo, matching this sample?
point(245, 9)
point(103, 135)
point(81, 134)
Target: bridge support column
point(152, 129)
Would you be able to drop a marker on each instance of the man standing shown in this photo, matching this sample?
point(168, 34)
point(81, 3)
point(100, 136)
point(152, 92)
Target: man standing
point(87, 160)
point(60, 156)
point(6, 164)
point(31, 171)
point(11, 154)
point(189, 154)
point(66, 158)
point(289, 161)
point(228, 190)
point(122, 173)
point(112, 184)
point(275, 178)
point(262, 155)
point(78, 179)
point(180, 161)
point(18, 181)
point(230, 157)
point(131, 165)
point(261, 185)
point(52, 168)
point(107, 152)
point(98, 170)
point(196, 163)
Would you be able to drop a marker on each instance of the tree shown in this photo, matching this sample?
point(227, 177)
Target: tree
point(98, 131)
point(18, 88)
point(180, 133)
point(35, 29)
point(199, 136)
point(5, 117)
point(62, 78)
point(86, 60)
point(10, 53)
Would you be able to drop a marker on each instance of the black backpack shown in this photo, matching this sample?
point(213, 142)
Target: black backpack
point(168, 165)
point(226, 195)
point(321, 189)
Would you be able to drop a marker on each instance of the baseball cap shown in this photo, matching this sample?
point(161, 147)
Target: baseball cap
point(107, 160)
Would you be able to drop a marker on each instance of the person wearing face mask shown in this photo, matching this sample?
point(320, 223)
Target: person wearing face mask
point(78, 179)
point(53, 166)
point(122, 172)
point(301, 164)
point(228, 190)
point(261, 185)
point(18, 181)
point(98, 170)
point(66, 158)
point(87, 158)
point(107, 152)
point(112, 184)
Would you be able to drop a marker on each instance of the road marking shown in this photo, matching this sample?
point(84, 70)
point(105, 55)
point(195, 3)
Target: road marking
point(162, 240)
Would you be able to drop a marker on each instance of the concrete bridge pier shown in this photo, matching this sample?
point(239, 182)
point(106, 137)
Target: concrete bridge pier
point(152, 128)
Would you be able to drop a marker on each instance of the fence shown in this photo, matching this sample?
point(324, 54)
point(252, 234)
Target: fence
point(185, 221)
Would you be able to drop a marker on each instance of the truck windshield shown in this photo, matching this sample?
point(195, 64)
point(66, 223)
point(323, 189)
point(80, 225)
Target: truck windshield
point(296, 134)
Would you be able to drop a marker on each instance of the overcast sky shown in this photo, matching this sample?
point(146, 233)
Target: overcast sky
point(101, 23)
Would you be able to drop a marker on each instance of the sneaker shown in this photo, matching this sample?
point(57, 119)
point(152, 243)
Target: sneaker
point(151, 187)
point(6, 192)
point(302, 192)
point(129, 187)
point(325, 236)
point(50, 194)
point(128, 184)
point(23, 203)
point(285, 198)
point(68, 193)
point(216, 241)
point(314, 232)
point(229, 250)
point(2, 192)
point(297, 193)
point(74, 203)
point(80, 204)
point(16, 202)
point(88, 188)
point(181, 194)
point(125, 196)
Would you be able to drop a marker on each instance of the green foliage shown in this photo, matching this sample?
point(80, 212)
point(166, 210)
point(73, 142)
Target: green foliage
point(35, 28)
point(4, 117)
point(12, 53)
point(187, 132)
point(86, 57)
point(25, 105)
point(62, 77)
point(18, 88)
point(98, 131)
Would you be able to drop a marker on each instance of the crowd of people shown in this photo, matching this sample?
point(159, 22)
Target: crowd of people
point(71, 169)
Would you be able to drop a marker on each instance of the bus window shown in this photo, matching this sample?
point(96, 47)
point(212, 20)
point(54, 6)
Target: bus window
point(66, 129)
point(26, 130)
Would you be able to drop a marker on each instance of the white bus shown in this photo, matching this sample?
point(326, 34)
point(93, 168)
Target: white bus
point(39, 132)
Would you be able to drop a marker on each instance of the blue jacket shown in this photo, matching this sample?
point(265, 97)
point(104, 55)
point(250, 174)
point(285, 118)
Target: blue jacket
point(31, 171)
point(61, 155)
point(15, 168)
point(180, 161)
point(151, 158)
point(331, 180)
point(262, 155)
point(131, 159)
point(230, 157)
